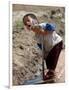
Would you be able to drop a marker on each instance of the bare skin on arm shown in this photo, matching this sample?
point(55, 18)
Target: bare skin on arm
point(37, 29)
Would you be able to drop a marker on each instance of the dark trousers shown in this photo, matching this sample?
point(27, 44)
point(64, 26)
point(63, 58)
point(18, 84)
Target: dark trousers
point(52, 58)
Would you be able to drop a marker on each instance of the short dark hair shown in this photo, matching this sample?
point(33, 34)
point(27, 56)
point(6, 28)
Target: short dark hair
point(31, 15)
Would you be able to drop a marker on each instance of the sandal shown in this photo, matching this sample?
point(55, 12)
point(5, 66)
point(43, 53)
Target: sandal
point(50, 75)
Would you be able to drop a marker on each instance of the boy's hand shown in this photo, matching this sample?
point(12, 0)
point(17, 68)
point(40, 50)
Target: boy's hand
point(36, 27)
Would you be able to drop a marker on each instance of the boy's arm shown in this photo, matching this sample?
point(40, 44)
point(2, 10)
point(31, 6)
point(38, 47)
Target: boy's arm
point(37, 29)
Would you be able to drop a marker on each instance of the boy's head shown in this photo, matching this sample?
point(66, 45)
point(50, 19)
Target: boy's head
point(30, 20)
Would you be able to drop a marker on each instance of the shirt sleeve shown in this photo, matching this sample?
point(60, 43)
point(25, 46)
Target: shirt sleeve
point(48, 26)
point(43, 25)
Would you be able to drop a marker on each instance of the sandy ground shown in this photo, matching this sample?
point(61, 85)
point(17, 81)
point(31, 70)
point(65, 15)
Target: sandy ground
point(27, 57)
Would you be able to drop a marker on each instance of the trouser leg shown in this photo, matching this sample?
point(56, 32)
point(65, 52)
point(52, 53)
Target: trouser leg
point(52, 58)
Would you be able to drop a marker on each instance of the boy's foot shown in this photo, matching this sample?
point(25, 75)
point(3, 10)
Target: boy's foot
point(49, 75)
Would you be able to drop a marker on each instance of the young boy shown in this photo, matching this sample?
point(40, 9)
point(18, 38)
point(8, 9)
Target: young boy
point(51, 41)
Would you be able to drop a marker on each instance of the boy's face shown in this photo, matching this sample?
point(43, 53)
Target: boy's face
point(29, 22)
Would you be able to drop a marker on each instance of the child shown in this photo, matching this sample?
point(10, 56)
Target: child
point(52, 42)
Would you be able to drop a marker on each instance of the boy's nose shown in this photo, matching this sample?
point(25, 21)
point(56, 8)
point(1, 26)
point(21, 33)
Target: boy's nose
point(28, 23)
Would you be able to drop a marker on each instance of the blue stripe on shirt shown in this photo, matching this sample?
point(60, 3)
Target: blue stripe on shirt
point(48, 26)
